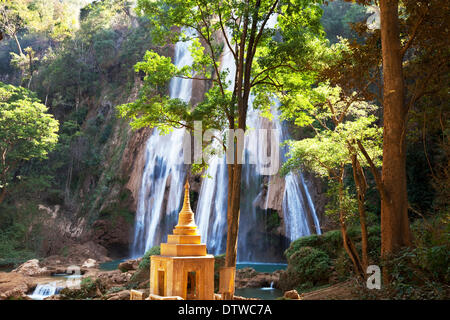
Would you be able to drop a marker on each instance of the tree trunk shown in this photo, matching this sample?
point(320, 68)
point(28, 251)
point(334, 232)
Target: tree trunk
point(347, 242)
point(18, 45)
point(361, 187)
point(352, 252)
point(233, 213)
point(395, 232)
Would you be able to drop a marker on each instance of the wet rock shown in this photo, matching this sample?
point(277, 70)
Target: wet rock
point(113, 278)
point(15, 285)
point(90, 263)
point(243, 298)
point(33, 269)
point(121, 295)
point(249, 278)
point(133, 163)
point(128, 265)
point(54, 297)
point(292, 294)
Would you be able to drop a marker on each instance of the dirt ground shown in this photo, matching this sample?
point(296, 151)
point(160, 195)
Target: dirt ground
point(338, 291)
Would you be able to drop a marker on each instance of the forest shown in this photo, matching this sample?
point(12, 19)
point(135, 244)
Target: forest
point(96, 98)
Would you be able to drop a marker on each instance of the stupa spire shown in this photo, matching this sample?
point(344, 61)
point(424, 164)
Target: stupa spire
point(186, 203)
point(186, 215)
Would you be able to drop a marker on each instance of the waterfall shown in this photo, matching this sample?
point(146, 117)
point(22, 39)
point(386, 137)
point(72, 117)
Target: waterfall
point(164, 173)
point(297, 204)
point(43, 291)
point(296, 197)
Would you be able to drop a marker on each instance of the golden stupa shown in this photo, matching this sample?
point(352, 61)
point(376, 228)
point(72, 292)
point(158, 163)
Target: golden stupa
point(183, 269)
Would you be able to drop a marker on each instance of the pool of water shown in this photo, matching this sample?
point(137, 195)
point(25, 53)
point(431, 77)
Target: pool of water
point(111, 265)
point(258, 266)
point(260, 293)
point(262, 266)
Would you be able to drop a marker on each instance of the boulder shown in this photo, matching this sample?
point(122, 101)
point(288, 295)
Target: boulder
point(243, 298)
point(292, 294)
point(90, 263)
point(121, 295)
point(15, 285)
point(128, 265)
point(33, 269)
point(249, 278)
point(113, 278)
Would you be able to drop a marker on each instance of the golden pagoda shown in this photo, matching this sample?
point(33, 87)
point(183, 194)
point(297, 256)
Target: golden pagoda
point(183, 269)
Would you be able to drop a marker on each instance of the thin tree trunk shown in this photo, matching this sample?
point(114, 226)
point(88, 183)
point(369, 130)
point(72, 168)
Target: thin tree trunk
point(395, 231)
point(361, 187)
point(233, 214)
point(351, 251)
point(18, 45)
point(347, 242)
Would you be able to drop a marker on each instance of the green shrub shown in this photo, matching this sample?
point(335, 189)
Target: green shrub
point(309, 241)
point(420, 273)
point(307, 267)
point(145, 263)
point(12, 250)
point(142, 274)
point(89, 288)
point(342, 265)
point(310, 264)
point(332, 241)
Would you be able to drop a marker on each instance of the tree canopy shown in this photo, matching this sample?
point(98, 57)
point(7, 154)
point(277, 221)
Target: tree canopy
point(27, 131)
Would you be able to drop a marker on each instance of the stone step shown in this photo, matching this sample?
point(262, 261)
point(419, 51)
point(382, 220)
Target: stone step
point(183, 239)
point(183, 250)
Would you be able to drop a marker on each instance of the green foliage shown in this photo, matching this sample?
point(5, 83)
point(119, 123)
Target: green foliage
point(145, 262)
point(264, 57)
point(273, 220)
point(331, 241)
point(142, 274)
point(337, 17)
point(308, 241)
point(307, 267)
point(20, 233)
point(12, 251)
point(99, 51)
point(89, 288)
point(420, 273)
point(327, 152)
point(27, 131)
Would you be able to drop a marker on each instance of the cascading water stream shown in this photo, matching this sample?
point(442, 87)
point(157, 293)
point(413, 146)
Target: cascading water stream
point(43, 291)
point(164, 172)
point(296, 197)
